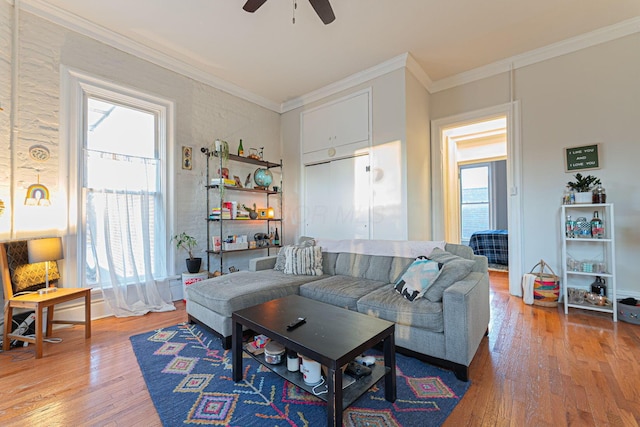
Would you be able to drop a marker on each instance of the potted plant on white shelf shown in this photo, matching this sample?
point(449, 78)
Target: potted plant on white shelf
point(583, 185)
point(188, 243)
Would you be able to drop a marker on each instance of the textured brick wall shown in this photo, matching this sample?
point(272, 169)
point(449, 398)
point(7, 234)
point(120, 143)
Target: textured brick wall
point(202, 114)
point(5, 97)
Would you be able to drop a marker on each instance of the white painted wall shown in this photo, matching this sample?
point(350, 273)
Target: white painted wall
point(418, 160)
point(589, 96)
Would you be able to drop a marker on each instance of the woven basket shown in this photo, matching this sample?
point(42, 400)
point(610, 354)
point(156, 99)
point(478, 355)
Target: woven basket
point(546, 287)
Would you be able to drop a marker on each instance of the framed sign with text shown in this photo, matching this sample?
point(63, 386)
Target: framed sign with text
point(582, 158)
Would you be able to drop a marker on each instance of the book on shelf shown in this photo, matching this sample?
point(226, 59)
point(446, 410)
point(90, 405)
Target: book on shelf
point(225, 181)
point(217, 213)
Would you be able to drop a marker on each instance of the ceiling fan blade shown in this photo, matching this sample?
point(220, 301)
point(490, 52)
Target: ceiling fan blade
point(253, 5)
point(324, 10)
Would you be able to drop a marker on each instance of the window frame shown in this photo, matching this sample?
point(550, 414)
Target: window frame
point(76, 86)
point(490, 195)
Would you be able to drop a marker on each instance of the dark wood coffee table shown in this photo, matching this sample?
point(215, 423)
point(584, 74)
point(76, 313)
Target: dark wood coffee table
point(331, 335)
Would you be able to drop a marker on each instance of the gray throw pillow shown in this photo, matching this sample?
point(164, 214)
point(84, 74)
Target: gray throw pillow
point(281, 259)
point(455, 268)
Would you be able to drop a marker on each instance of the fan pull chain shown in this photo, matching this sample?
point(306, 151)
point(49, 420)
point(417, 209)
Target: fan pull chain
point(295, 6)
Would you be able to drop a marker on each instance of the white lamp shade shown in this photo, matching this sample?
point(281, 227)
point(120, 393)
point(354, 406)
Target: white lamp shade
point(42, 250)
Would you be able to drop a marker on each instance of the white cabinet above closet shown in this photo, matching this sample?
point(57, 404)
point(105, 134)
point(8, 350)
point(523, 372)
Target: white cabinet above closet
point(336, 129)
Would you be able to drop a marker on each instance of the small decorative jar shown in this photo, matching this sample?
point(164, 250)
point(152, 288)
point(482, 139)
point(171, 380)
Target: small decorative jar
point(583, 228)
point(273, 352)
point(599, 195)
point(293, 361)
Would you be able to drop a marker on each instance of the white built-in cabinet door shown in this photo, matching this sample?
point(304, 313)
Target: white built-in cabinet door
point(336, 124)
point(337, 199)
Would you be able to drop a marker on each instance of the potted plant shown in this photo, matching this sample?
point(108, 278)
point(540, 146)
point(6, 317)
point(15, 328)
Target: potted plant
point(186, 242)
point(253, 214)
point(583, 186)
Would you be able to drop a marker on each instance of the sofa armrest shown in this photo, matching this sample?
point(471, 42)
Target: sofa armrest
point(262, 263)
point(465, 305)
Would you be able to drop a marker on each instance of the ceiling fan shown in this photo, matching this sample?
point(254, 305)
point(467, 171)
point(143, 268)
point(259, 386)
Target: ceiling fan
point(322, 8)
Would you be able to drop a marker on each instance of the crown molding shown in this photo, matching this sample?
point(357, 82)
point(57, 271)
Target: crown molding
point(82, 26)
point(593, 38)
point(419, 73)
point(349, 82)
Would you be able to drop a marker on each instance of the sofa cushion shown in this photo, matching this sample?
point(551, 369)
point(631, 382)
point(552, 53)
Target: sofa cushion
point(341, 291)
point(303, 260)
point(455, 268)
point(420, 275)
point(387, 304)
point(230, 292)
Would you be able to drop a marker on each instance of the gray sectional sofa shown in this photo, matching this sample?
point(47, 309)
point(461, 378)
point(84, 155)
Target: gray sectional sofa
point(446, 332)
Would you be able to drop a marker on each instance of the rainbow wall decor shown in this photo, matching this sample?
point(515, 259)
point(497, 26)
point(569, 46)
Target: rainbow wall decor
point(37, 194)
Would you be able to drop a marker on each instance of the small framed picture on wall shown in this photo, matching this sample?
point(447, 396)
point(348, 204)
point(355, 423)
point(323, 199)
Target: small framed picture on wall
point(187, 157)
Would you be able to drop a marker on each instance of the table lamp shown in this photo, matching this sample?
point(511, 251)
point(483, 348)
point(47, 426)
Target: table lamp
point(45, 250)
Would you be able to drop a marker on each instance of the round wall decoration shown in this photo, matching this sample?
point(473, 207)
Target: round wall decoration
point(39, 153)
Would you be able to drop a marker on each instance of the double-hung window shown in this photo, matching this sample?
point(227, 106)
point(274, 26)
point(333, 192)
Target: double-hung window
point(121, 193)
point(121, 144)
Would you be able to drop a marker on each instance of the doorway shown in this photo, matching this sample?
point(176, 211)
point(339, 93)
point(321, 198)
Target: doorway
point(468, 141)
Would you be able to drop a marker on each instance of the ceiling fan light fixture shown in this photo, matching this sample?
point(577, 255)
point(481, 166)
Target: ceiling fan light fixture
point(322, 7)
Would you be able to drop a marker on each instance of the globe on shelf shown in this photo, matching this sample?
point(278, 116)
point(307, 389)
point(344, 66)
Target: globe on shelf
point(263, 178)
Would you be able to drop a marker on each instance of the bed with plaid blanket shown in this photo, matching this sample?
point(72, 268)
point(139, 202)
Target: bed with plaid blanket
point(494, 244)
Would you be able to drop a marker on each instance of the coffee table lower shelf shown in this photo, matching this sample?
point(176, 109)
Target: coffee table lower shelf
point(350, 394)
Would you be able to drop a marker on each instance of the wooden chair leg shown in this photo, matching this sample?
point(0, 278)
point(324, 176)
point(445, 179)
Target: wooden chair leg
point(39, 326)
point(8, 320)
point(50, 311)
point(87, 315)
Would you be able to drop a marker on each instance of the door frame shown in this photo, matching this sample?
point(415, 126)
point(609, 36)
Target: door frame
point(441, 176)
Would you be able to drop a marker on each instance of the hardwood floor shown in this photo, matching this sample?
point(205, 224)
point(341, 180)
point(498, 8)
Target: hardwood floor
point(537, 367)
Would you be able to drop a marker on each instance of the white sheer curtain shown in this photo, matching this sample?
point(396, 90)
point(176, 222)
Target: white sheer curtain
point(123, 254)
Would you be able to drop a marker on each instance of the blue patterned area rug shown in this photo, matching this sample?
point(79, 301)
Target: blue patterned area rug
point(189, 377)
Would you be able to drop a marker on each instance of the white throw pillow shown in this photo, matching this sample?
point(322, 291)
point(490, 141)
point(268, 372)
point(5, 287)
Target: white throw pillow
point(281, 258)
point(420, 275)
point(303, 260)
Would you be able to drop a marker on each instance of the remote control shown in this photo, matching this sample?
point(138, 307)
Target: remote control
point(299, 321)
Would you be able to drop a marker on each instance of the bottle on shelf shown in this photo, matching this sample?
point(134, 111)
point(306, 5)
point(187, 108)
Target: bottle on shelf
point(240, 149)
point(570, 227)
point(597, 227)
point(599, 287)
point(276, 238)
